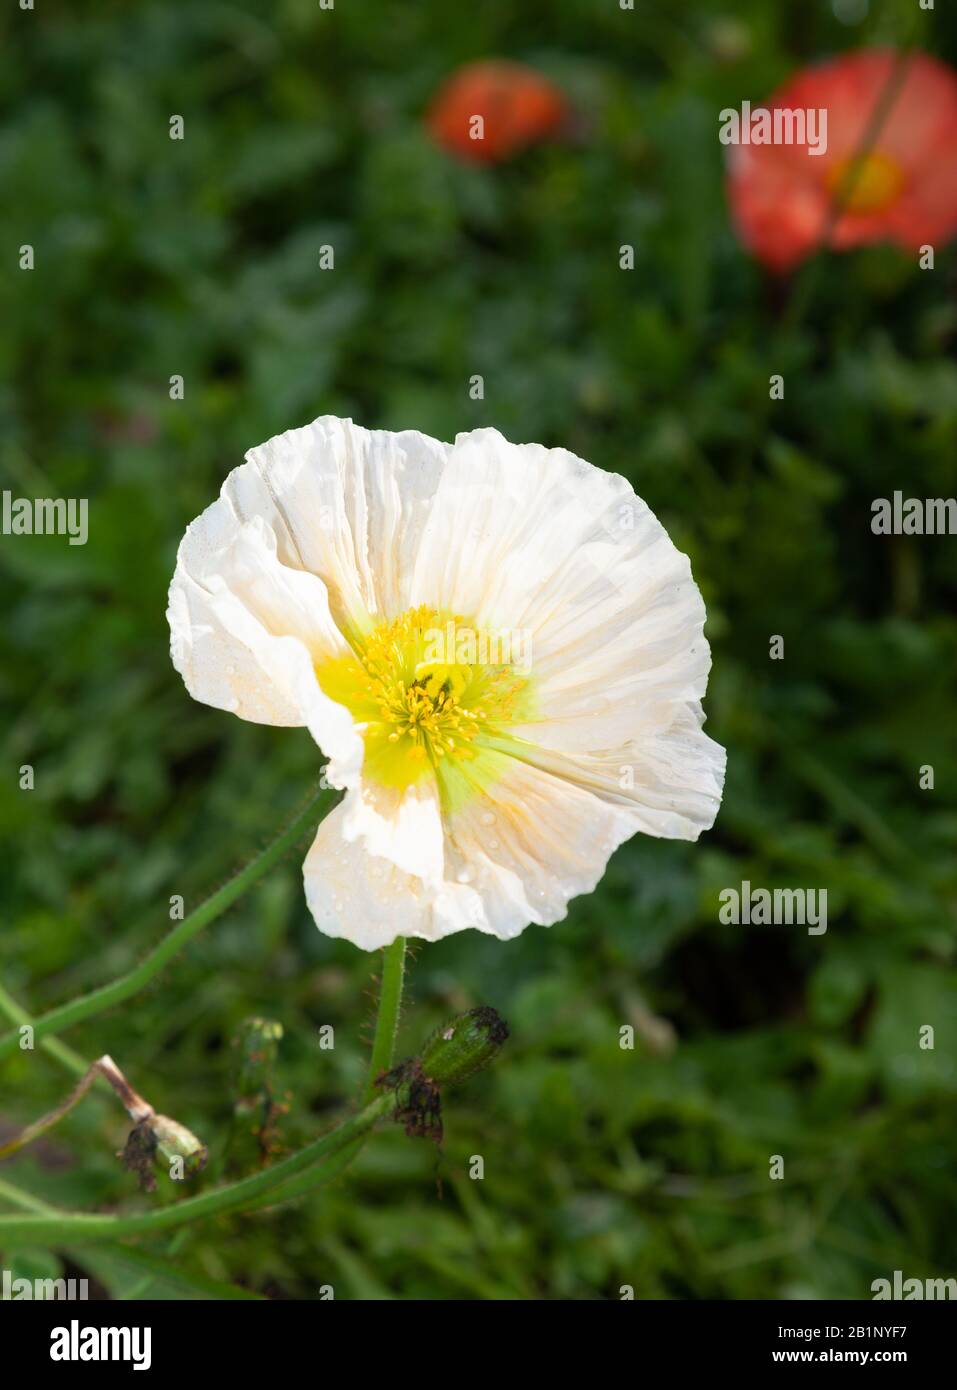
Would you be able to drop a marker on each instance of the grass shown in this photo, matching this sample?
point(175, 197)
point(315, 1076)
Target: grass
point(198, 258)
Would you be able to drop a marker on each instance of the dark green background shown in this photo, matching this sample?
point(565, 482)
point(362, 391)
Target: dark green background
point(603, 1167)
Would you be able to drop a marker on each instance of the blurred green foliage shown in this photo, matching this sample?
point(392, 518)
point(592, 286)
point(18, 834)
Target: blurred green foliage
point(603, 1166)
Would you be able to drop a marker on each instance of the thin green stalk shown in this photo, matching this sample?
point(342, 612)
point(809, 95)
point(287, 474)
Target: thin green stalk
point(107, 996)
point(387, 1019)
point(79, 1228)
point(383, 1053)
point(324, 1159)
point(318, 1176)
point(59, 1051)
point(842, 194)
point(70, 1060)
point(25, 1200)
point(47, 1122)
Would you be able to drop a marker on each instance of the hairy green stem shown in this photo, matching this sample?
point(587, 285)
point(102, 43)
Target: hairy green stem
point(107, 996)
point(387, 1019)
point(80, 1228)
point(322, 1160)
point(59, 1051)
point(25, 1200)
point(383, 1053)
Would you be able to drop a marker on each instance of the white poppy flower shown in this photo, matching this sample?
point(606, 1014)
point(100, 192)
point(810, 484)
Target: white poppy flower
point(496, 646)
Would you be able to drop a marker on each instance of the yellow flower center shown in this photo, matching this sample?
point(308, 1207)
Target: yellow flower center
point(867, 185)
point(425, 688)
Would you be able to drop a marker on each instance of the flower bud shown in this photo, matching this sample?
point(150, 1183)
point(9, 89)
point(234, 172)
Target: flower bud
point(463, 1046)
point(158, 1137)
point(257, 1043)
point(174, 1140)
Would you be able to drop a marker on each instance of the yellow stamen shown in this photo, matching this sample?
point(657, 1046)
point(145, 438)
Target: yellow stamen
point(867, 185)
point(417, 712)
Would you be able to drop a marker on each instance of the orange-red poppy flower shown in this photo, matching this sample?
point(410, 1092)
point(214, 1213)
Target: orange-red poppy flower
point(787, 200)
point(491, 110)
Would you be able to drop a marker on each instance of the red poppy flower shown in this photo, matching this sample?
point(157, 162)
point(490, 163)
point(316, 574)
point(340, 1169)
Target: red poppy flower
point(516, 104)
point(903, 190)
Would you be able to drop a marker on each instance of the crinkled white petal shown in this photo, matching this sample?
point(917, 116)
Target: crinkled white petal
point(670, 779)
point(549, 546)
point(530, 843)
point(369, 900)
point(571, 561)
point(514, 855)
point(327, 528)
point(347, 504)
point(246, 632)
point(308, 535)
point(402, 825)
